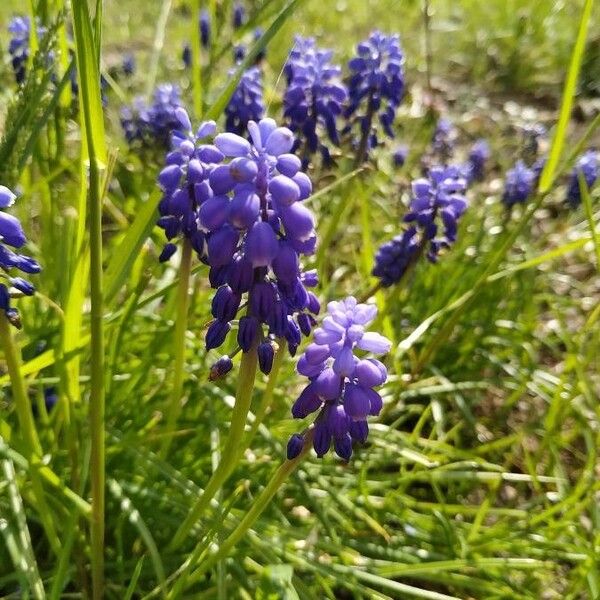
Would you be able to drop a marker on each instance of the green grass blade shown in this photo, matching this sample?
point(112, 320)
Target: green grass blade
point(586, 200)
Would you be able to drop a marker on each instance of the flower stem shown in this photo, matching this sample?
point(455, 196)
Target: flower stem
point(363, 145)
point(181, 323)
point(259, 505)
point(230, 454)
point(21, 399)
point(267, 397)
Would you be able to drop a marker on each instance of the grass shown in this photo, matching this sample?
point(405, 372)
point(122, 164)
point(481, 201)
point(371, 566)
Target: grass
point(480, 478)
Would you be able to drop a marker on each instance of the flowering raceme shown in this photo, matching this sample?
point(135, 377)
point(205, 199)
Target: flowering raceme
point(184, 181)
point(589, 166)
point(256, 228)
point(478, 157)
point(341, 384)
point(152, 125)
point(246, 103)
point(18, 48)
point(314, 96)
point(437, 204)
point(376, 85)
point(518, 185)
point(11, 234)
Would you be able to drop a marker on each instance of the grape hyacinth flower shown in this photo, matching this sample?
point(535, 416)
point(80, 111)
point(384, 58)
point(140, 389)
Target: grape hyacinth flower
point(205, 29)
point(18, 48)
point(518, 184)
point(152, 125)
point(444, 139)
point(11, 234)
point(185, 184)
point(589, 166)
point(246, 103)
point(478, 157)
point(313, 98)
point(375, 88)
point(257, 227)
point(438, 202)
point(399, 155)
point(341, 384)
point(239, 15)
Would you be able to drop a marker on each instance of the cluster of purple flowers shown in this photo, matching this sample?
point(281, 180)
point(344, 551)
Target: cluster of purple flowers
point(246, 103)
point(11, 234)
point(477, 161)
point(152, 125)
point(18, 48)
point(257, 227)
point(376, 85)
point(341, 384)
point(444, 139)
point(184, 181)
point(437, 204)
point(589, 166)
point(314, 96)
point(240, 204)
point(519, 183)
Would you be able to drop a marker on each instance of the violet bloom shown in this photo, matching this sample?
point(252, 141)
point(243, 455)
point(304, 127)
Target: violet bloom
point(239, 15)
point(314, 97)
point(438, 202)
point(152, 125)
point(399, 155)
point(444, 139)
point(184, 182)
point(18, 48)
point(257, 227)
point(11, 234)
point(246, 103)
point(518, 185)
point(341, 384)
point(589, 166)
point(376, 86)
point(478, 158)
point(205, 28)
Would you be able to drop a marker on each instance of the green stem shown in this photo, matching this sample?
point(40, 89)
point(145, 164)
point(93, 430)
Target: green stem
point(230, 454)
point(181, 322)
point(21, 399)
point(259, 505)
point(267, 397)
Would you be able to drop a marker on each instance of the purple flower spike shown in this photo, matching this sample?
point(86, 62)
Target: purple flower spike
point(341, 385)
point(376, 86)
point(589, 165)
point(518, 185)
point(11, 234)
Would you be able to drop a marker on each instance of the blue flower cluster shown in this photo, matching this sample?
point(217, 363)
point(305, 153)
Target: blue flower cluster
point(152, 125)
point(314, 96)
point(477, 161)
point(238, 15)
point(246, 103)
point(257, 227)
point(18, 48)
point(519, 184)
point(184, 182)
point(376, 85)
point(444, 139)
point(341, 384)
point(589, 166)
point(11, 234)
point(437, 204)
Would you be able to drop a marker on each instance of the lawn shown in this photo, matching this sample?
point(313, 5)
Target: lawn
point(191, 406)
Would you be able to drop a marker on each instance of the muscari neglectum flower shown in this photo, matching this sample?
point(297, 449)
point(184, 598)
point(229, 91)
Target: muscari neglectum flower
point(341, 384)
point(478, 157)
point(11, 234)
point(238, 15)
point(437, 204)
point(257, 227)
point(518, 184)
point(246, 103)
point(444, 139)
point(18, 48)
point(313, 98)
point(184, 182)
point(376, 85)
point(152, 125)
point(589, 166)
